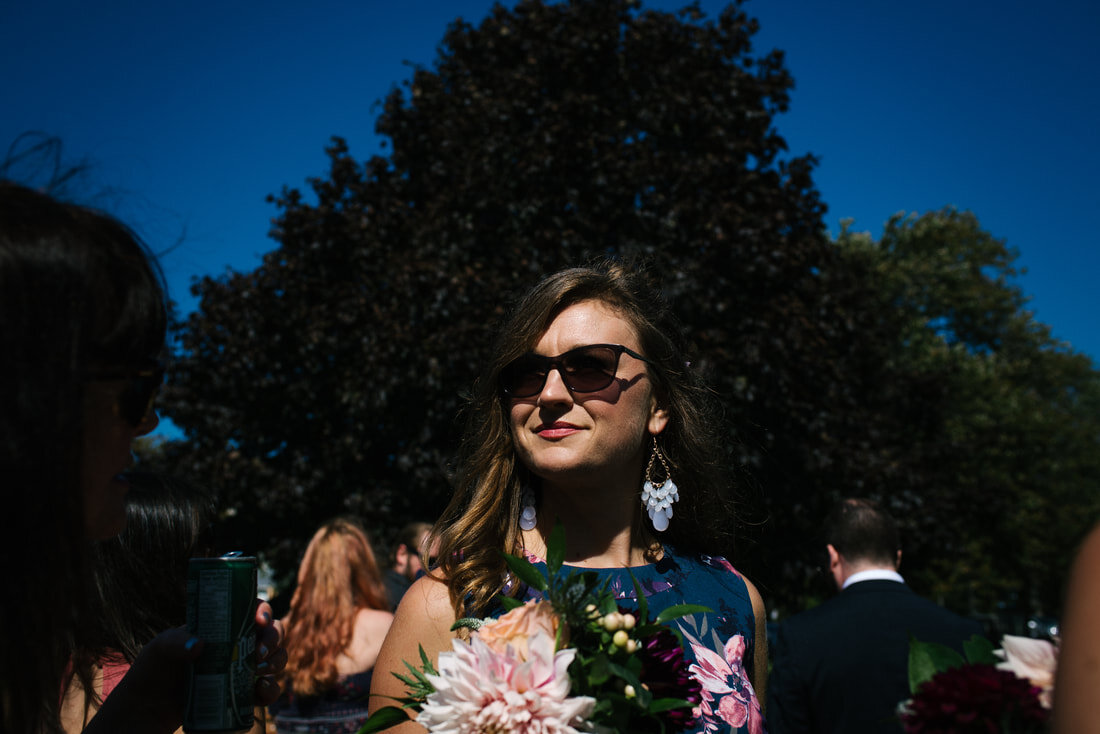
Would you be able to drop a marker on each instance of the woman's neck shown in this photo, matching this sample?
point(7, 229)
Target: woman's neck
point(602, 529)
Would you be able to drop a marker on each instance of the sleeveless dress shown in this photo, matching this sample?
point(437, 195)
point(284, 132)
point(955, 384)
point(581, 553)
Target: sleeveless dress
point(341, 710)
point(718, 645)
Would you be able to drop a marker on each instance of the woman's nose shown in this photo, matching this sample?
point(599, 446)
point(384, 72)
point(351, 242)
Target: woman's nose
point(554, 390)
point(148, 423)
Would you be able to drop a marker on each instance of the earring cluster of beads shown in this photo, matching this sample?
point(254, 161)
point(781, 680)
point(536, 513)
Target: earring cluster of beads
point(658, 496)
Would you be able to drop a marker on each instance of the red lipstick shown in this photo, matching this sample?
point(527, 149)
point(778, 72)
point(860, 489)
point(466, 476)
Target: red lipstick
point(558, 429)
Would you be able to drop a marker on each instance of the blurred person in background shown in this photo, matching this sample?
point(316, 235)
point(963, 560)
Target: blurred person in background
point(843, 666)
point(337, 621)
point(407, 560)
point(141, 584)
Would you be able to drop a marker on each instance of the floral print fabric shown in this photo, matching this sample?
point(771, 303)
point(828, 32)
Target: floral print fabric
point(718, 645)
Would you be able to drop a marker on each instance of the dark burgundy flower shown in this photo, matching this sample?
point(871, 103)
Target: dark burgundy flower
point(976, 699)
point(665, 674)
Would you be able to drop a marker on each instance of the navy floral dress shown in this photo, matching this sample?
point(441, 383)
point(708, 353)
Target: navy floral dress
point(718, 645)
point(340, 710)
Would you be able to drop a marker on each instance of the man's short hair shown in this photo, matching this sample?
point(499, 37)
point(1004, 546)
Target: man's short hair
point(861, 530)
point(409, 537)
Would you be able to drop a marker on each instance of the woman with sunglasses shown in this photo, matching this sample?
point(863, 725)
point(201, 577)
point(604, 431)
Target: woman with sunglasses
point(589, 415)
point(82, 325)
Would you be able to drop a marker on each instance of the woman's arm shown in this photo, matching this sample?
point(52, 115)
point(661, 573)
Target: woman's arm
point(150, 698)
point(760, 656)
point(423, 619)
point(1077, 682)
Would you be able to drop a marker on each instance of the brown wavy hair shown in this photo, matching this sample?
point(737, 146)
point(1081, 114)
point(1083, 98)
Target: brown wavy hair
point(482, 517)
point(338, 577)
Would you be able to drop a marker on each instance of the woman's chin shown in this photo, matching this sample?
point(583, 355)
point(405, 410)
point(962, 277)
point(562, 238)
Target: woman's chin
point(106, 518)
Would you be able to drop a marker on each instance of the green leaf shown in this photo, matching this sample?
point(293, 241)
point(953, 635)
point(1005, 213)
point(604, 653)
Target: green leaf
point(426, 662)
point(526, 572)
point(555, 549)
point(659, 705)
point(980, 650)
point(384, 718)
point(928, 658)
point(680, 610)
point(641, 693)
point(469, 622)
point(509, 603)
point(600, 670)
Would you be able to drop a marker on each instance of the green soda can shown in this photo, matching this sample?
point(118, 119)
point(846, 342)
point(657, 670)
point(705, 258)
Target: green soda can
point(221, 610)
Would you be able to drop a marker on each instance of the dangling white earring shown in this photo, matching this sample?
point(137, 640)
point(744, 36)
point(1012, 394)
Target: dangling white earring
point(527, 518)
point(658, 496)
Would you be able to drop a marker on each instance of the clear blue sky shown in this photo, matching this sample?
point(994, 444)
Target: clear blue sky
point(192, 112)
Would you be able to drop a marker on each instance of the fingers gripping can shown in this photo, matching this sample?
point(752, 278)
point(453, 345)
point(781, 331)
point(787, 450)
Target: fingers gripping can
point(221, 610)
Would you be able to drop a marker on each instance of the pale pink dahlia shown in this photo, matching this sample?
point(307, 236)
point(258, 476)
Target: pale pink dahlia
point(481, 691)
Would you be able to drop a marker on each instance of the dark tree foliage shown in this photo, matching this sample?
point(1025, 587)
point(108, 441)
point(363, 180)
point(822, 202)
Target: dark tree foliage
point(996, 444)
point(331, 379)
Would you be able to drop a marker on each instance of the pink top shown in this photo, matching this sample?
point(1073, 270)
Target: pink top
point(114, 667)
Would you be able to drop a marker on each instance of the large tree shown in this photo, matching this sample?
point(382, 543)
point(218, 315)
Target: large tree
point(995, 454)
point(331, 378)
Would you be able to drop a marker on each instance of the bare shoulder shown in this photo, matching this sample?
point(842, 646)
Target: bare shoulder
point(430, 596)
point(756, 599)
point(423, 621)
point(759, 673)
point(373, 622)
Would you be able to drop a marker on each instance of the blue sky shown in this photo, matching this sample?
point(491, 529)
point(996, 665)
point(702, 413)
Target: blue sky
point(192, 112)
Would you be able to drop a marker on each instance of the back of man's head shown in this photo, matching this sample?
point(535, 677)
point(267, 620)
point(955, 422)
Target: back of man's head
point(863, 532)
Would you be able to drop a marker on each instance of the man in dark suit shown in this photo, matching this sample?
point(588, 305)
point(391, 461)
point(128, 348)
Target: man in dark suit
point(843, 666)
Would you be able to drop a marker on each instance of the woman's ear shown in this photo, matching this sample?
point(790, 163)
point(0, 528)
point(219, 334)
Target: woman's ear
point(658, 417)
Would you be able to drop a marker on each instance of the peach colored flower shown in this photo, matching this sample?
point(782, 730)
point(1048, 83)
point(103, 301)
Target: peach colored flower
point(518, 626)
point(1033, 660)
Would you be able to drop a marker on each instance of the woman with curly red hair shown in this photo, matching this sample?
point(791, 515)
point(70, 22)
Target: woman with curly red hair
point(338, 618)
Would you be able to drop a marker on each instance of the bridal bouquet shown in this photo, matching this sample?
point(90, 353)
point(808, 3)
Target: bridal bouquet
point(989, 691)
point(573, 662)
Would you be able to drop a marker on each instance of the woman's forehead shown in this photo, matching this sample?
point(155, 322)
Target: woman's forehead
point(587, 322)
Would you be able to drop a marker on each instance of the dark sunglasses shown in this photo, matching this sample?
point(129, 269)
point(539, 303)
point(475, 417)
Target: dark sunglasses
point(135, 402)
point(584, 369)
point(430, 559)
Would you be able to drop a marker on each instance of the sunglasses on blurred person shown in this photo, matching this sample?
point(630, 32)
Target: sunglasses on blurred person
point(430, 560)
point(135, 402)
point(584, 369)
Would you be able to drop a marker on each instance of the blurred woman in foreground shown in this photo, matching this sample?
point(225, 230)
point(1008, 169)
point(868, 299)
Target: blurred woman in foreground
point(82, 333)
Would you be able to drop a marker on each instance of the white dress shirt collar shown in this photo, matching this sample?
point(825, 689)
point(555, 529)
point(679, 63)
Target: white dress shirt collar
point(873, 574)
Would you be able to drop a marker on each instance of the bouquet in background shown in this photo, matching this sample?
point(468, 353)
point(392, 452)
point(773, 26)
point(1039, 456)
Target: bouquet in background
point(1006, 691)
point(573, 662)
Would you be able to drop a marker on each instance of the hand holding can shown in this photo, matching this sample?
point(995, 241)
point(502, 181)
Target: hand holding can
point(221, 611)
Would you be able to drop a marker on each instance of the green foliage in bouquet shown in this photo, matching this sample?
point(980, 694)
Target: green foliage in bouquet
point(928, 658)
point(621, 676)
point(631, 668)
point(970, 693)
